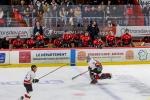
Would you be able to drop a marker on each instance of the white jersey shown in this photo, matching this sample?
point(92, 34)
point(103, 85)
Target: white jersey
point(92, 63)
point(29, 77)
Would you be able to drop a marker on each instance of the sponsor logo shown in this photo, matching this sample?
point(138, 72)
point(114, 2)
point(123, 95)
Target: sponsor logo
point(2, 57)
point(144, 2)
point(129, 55)
point(81, 55)
point(142, 55)
point(25, 57)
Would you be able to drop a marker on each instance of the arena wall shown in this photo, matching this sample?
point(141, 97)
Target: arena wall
point(73, 57)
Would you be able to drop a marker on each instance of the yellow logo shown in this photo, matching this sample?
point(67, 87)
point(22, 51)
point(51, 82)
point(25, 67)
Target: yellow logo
point(129, 55)
point(81, 55)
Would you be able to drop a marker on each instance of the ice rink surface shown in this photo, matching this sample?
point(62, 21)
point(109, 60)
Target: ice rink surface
point(129, 82)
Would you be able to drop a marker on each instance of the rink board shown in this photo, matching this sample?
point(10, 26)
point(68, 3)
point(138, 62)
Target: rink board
point(73, 57)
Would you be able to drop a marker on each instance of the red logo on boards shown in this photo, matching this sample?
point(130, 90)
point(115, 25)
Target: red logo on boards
point(25, 57)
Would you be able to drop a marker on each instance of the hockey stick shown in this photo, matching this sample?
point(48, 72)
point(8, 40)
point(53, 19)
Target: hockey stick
point(79, 75)
point(52, 71)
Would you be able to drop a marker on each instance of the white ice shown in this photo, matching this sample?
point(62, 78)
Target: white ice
point(129, 82)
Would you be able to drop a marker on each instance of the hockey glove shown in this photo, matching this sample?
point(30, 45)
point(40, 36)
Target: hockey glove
point(35, 80)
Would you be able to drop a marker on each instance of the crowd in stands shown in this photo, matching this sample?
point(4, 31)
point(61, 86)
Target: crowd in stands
point(93, 21)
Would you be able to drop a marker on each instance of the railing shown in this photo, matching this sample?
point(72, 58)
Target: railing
point(77, 17)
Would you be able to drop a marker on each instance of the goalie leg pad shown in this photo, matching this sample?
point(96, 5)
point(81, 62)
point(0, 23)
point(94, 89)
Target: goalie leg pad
point(105, 76)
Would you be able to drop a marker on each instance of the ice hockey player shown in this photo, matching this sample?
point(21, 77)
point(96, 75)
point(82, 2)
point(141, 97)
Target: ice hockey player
point(95, 70)
point(29, 79)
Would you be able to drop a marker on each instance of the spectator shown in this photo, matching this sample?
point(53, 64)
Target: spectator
point(98, 43)
point(93, 30)
point(57, 42)
point(40, 41)
point(30, 42)
point(126, 39)
point(71, 15)
point(54, 3)
point(146, 13)
point(37, 29)
point(27, 16)
point(0, 43)
point(22, 6)
point(66, 2)
point(77, 14)
point(5, 43)
point(66, 39)
point(63, 14)
point(85, 40)
point(110, 39)
point(2, 22)
point(18, 43)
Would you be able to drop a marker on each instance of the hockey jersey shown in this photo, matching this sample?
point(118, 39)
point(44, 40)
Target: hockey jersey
point(92, 63)
point(29, 77)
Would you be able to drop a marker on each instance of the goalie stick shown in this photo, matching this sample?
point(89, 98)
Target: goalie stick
point(79, 75)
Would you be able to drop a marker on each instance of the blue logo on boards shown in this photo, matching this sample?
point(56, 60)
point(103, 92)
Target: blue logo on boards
point(2, 57)
point(142, 55)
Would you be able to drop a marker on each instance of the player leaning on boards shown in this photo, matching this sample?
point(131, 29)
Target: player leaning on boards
point(29, 79)
point(95, 70)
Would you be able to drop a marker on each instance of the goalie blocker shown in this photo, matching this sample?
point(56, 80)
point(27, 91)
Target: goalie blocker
point(95, 71)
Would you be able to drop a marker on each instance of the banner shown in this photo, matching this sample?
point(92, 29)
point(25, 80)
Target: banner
point(50, 56)
point(135, 31)
point(13, 32)
point(114, 55)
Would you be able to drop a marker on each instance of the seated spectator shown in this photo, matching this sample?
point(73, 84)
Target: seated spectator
point(30, 43)
point(5, 43)
point(110, 39)
point(17, 43)
point(66, 39)
point(57, 42)
point(118, 41)
point(40, 41)
point(126, 39)
point(37, 29)
point(85, 40)
point(98, 43)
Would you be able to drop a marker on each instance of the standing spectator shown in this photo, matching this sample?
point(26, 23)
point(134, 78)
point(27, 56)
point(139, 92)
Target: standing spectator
point(126, 39)
point(63, 14)
point(5, 43)
point(37, 29)
point(66, 2)
point(146, 12)
point(54, 3)
point(27, 16)
point(129, 15)
point(93, 30)
point(77, 14)
point(2, 22)
point(0, 43)
point(71, 15)
point(110, 39)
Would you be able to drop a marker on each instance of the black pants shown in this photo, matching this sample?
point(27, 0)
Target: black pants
point(28, 87)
